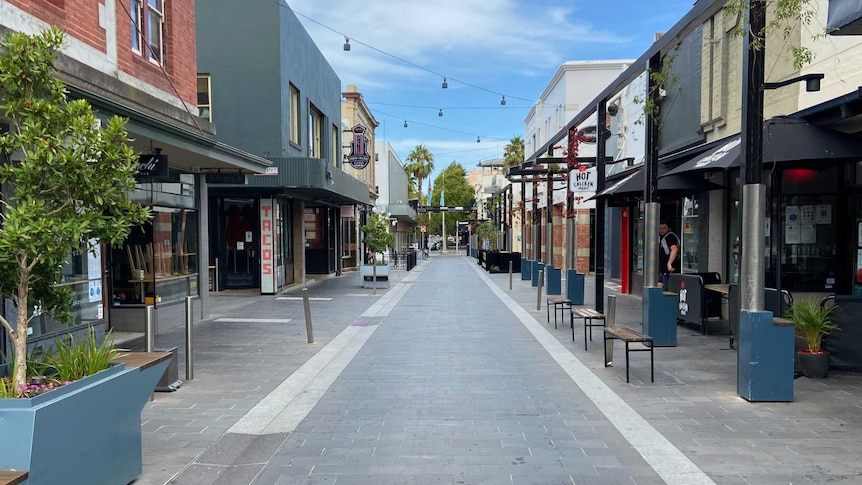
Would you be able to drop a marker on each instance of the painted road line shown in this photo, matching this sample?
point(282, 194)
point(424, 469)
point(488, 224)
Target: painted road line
point(299, 298)
point(252, 320)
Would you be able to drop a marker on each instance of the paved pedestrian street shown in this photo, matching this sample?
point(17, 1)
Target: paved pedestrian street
point(449, 377)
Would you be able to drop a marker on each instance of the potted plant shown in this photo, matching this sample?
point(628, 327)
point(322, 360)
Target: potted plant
point(377, 239)
point(813, 321)
point(66, 190)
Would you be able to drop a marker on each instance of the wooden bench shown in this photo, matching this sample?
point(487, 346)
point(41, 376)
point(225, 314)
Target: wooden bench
point(12, 477)
point(560, 303)
point(630, 336)
point(589, 315)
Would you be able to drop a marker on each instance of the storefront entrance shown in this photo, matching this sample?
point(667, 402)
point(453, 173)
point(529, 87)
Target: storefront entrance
point(237, 251)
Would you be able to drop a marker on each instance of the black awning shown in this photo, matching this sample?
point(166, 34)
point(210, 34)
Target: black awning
point(844, 17)
point(785, 139)
point(631, 186)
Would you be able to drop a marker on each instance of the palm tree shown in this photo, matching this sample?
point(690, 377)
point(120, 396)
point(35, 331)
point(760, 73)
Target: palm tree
point(514, 153)
point(421, 164)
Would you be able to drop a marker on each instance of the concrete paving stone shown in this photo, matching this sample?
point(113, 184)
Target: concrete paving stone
point(240, 449)
point(216, 475)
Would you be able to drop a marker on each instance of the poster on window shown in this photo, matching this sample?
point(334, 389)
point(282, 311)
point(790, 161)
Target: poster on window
point(807, 214)
point(791, 233)
point(824, 214)
point(807, 233)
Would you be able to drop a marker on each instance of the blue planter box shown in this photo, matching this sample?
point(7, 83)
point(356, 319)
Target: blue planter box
point(575, 286)
point(84, 433)
point(526, 269)
point(554, 281)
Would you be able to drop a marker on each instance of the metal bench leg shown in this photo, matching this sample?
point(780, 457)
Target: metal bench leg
point(651, 364)
point(548, 311)
point(572, 323)
point(585, 333)
point(627, 361)
point(606, 349)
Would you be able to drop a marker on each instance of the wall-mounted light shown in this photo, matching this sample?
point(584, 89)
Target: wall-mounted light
point(445, 84)
point(346, 43)
point(812, 82)
point(503, 101)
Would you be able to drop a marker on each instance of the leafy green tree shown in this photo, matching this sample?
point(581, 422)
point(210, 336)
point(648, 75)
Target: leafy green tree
point(457, 192)
point(377, 236)
point(421, 164)
point(513, 153)
point(69, 187)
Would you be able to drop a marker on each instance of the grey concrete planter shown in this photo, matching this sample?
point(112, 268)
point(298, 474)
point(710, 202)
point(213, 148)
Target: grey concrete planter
point(85, 433)
point(366, 272)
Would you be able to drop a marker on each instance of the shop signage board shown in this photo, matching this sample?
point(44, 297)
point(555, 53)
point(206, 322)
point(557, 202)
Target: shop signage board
point(267, 246)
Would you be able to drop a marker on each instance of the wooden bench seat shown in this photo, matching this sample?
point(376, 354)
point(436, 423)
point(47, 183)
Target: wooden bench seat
point(12, 477)
point(630, 336)
point(560, 303)
point(588, 315)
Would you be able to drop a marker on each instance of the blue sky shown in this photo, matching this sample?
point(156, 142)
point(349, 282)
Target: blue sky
point(485, 48)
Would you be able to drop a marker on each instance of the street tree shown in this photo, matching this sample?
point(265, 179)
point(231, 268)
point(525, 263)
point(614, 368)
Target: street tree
point(513, 153)
point(420, 165)
point(457, 192)
point(65, 189)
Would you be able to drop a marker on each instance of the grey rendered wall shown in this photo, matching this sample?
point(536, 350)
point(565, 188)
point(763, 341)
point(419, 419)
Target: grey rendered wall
point(237, 44)
point(680, 110)
point(397, 181)
point(303, 64)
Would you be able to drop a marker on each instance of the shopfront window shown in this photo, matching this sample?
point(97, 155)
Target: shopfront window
point(689, 235)
point(638, 263)
point(806, 231)
point(159, 261)
point(82, 274)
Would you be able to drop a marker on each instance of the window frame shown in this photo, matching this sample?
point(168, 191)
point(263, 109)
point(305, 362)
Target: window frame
point(208, 105)
point(144, 14)
point(294, 116)
point(315, 132)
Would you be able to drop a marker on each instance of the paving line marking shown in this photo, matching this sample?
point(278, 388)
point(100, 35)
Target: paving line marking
point(666, 459)
point(252, 320)
point(283, 409)
point(316, 298)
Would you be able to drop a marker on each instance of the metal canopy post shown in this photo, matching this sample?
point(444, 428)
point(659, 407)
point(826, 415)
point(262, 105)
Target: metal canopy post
point(601, 148)
point(652, 208)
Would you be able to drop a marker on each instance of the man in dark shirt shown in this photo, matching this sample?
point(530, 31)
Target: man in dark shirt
point(668, 254)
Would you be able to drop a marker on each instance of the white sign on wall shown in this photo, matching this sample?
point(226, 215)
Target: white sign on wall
point(583, 179)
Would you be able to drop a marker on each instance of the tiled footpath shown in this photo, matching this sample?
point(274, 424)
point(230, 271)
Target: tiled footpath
point(450, 377)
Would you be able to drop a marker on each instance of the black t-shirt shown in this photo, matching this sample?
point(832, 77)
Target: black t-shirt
point(667, 241)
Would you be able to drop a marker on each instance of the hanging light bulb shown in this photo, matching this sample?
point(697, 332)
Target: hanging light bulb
point(346, 43)
point(478, 139)
point(440, 113)
point(445, 84)
point(405, 123)
point(503, 101)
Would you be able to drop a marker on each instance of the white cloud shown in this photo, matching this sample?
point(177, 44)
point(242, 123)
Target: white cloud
point(512, 36)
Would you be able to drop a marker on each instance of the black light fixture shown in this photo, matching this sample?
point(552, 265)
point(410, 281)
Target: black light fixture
point(346, 43)
point(812, 82)
point(445, 85)
point(478, 139)
point(405, 123)
point(503, 101)
point(440, 113)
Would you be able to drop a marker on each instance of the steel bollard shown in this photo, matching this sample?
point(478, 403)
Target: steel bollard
point(190, 373)
point(510, 275)
point(150, 330)
point(539, 290)
point(308, 330)
point(610, 322)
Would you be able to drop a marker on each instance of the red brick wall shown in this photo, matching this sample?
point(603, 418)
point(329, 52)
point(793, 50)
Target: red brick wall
point(80, 18)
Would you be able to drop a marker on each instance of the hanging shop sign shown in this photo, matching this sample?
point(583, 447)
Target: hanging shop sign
point(359, 156)
point(152, 165)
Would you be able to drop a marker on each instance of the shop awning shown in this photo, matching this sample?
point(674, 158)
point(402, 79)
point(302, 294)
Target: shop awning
point(785, 139)
point(844, 17)
point(631, 185)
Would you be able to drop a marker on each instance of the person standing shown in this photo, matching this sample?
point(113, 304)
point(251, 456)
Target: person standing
point(668, 254)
